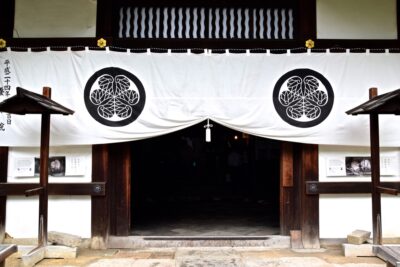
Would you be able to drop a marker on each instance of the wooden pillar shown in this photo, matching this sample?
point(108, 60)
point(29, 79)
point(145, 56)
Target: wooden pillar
point(299, 211)
point(3, 199)
point(375, 174)
point(309, 203)
point(44, 173)
point(307, 19)
point(104, 22)
point(398, 18)
point(286, 189)
point(120, 181)
point(100, 204)
point(7, 10)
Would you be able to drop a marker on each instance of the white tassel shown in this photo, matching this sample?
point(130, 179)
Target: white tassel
point(208, 135)
point(208, 131)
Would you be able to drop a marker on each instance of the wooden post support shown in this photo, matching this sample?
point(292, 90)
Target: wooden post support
point(375, 174)
point(3, 199)
point(286, 189)
point(309, 203)
point(100, 205)
point(120, 168)
point(44, 172)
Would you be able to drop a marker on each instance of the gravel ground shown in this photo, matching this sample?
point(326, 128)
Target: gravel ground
point(210, 257)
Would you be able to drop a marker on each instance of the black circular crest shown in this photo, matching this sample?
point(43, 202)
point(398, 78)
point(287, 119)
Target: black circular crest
point(303, 98)
point(114, 97)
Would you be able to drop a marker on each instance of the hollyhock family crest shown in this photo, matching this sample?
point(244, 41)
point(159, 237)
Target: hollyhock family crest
point(114, 97)
point(303, 98)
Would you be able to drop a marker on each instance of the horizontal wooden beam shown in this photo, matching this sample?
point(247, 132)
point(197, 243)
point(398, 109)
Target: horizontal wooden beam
point(315, 188)
point(34, 191)
point(81, 43)
point(387, 190)
point(76, 189)
point(6, 251)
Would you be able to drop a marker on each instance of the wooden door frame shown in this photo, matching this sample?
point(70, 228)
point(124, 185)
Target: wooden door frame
point(3, 199)
point(111, 215)
point(298, 210)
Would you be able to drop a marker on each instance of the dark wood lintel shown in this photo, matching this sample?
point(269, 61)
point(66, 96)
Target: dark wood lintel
point(316, 188)
point(40, 44)
point(93, 189)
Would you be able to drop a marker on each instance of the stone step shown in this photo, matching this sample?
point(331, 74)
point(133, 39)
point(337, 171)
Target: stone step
point(136, 242)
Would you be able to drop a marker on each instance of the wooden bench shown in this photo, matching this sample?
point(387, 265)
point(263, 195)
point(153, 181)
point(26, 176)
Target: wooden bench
point(390, 254)
point(5, 251)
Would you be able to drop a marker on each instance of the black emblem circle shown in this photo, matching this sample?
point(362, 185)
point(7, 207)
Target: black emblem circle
point(299, 100)
point(116, 102)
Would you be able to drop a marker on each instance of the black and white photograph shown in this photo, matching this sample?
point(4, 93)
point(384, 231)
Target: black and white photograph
point(358, 166)
point(56, 166)
point(37, 166)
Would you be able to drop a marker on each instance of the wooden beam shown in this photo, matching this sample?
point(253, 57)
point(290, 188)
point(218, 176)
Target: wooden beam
point(80, 43)
point(297, 187)
point(7, 12)
point(398, 18)
point(286, 188)
point(5, 252)
point(306, 20)
point(316, 188)
point(100, 205)
point(286, 167)
point(375, 173)
point(105, 19)
point(34, 191)
point(72, 189)
point(44, 172)
point(387, 190)
point(120, 174)
point(208, 3)
point(3, 199)
point(309, 203)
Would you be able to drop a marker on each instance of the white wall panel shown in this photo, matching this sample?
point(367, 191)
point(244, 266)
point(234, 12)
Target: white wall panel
point(55, 18)
point(356, 19)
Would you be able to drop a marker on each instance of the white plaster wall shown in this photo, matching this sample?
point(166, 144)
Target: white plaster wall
point(69, 214)
point(343, 213)
point(356, 19)
point(55, 18)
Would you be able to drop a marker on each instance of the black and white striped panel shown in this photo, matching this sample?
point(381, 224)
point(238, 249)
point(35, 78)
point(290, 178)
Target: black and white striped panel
point(273, 23)
point(200, 23)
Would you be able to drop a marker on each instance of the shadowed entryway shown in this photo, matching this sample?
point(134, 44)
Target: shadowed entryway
point(185, 186)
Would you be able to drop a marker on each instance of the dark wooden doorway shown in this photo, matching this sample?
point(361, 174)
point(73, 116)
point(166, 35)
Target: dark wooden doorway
point(183, 185)
point(111, 215)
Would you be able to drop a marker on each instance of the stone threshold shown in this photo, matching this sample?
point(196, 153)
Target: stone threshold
point(136, 242)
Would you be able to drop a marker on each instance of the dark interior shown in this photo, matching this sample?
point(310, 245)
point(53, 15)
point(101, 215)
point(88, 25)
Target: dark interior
point(183, 185)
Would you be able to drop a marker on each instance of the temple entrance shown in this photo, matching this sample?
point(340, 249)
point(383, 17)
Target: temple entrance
point(182, 185)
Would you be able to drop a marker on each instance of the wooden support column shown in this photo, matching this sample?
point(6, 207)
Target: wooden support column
point(104, 22)
point(120, 180)
point(375, 174)
point(286, 189)
point(307, 20)
point(7, 13)
point(100, 204)
point(3, 199)
point(309, 203)
point(44, 172)
point(299, 210)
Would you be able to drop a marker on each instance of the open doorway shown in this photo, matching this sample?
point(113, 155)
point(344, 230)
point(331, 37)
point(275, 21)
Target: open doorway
point(184, 186)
